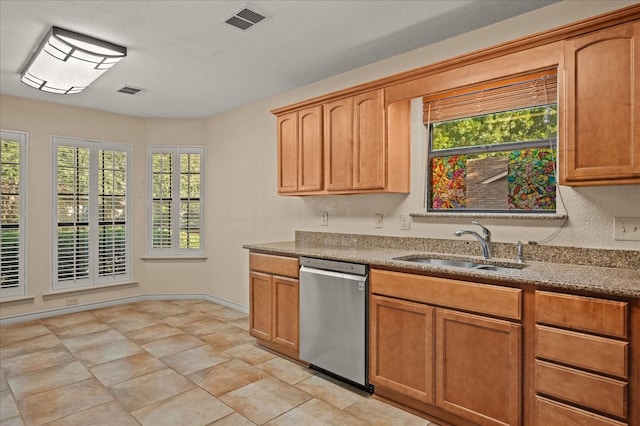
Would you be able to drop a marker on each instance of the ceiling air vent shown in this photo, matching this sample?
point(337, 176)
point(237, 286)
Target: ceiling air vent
point(129, 90)
point(245, 19)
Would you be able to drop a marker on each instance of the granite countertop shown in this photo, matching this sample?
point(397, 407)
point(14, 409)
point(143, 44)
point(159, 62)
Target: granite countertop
point(615, 281)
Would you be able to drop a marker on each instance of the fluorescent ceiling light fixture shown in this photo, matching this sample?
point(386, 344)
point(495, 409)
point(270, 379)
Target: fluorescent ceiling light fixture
point(66, 62)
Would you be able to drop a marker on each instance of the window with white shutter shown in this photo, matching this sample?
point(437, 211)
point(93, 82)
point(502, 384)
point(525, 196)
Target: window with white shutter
point(13, 196)
point(175, 176)
point(91, 240)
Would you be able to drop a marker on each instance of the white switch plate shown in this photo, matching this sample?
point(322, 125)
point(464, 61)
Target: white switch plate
point(324, 219)
point(626, 228)
point(405, 222)
point(378, 220)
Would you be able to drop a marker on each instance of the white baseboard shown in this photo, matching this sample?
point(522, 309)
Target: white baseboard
point(122, 301)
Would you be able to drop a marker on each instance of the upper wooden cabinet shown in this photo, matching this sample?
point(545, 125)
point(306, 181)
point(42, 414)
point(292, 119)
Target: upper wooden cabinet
point(344, 146)
point(602, 102)
point(300, 151)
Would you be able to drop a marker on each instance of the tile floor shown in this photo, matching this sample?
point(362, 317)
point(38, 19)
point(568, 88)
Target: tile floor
point(181, 362)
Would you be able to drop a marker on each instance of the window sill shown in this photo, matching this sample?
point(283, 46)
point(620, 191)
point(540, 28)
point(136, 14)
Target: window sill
point(519, 216)
point(172, 259)
point(16, 300)
point(83, 290)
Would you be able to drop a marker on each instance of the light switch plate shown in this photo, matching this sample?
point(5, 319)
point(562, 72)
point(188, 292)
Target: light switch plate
point(626, 228)
point(324, 219)
point(405, 222)
point(378, 220)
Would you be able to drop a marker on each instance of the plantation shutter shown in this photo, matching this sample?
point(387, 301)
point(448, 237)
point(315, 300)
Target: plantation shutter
point(526, 91)
point(12, 217)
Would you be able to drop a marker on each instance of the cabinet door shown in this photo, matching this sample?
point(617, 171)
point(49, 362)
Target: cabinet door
point(338, 144)
point(261, 311)
point(310, 149)
point(478, 367)
point(286, 312)
point(369, 149)
point(602, 106)
point(401, 347)
point(288, 152)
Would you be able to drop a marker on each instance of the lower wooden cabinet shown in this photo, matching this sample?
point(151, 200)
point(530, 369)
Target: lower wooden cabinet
point(478, 362)
point(466, 365)
point(274, 302)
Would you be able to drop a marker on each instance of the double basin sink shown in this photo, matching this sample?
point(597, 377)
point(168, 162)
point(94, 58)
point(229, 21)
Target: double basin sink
point(464, 264)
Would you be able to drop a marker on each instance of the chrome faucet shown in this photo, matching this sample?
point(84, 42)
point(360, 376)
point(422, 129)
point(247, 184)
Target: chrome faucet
point(484, 239)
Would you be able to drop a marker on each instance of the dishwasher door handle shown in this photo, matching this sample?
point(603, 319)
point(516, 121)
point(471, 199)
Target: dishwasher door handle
point(333, 274)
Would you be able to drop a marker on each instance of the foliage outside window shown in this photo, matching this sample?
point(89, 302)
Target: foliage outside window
point(91, 241)
point(494, 150)
point(12, 213)
point(176, 208)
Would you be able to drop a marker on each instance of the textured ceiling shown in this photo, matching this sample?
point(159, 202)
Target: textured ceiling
point(190, 63)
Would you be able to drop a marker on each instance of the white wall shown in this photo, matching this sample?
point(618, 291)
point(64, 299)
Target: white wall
point(242, 205)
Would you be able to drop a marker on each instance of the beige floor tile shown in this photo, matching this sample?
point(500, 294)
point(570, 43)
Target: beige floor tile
point(227, 339)
point(91, 340)
point(150, 388)
point(22, 364)
point(205, 326)
point(316, 412)
point(86, 327)
point(234, 419)
point(192, 408)
point(8, 407)
point(112, 312)
point(124, 369)
point(250, 353)
point(285, 370)
point(228, 314)
point(265, 399)
point(331, 391)
point(3, 381)
point(195, 359)
point(13, 421)
point(18, 332)
point(162, 308)
point(172, 344)
point(64, 321)
point(48, 378)
point(225, 377)
point(57, 403)
point(151, 333)
point(108, 352)
point(181, 320)
point(131, 320)
point(377, 412)
point(108, 414)
point(45, 341)
point(243, 323)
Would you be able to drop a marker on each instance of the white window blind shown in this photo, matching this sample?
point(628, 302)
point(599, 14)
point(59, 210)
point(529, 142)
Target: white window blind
point(176, 207)
point(91, 241)
point(13, 213)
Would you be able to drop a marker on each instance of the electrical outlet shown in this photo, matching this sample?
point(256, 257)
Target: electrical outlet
point(405, 222)
point(626, 228)
point(72, 300)
point(324, 219)
point(378, 220)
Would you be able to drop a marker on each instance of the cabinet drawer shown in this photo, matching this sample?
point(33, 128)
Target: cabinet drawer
point(277, 265)
point(582, 313)
point(551, 413)
point(582, 350)
point(479, 298)
point(590, 390)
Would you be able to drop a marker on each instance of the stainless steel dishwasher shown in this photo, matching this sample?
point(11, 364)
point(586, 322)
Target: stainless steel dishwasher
point(334, 318)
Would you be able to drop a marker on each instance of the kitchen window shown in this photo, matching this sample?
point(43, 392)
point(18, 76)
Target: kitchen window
point(91, 241)
point(492, 148)
point(13, 200)
point(176, 208)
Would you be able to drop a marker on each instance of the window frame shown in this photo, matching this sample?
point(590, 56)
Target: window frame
point(174, 249)
point(93, 277)
point(23, 140)
point(546, 143)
